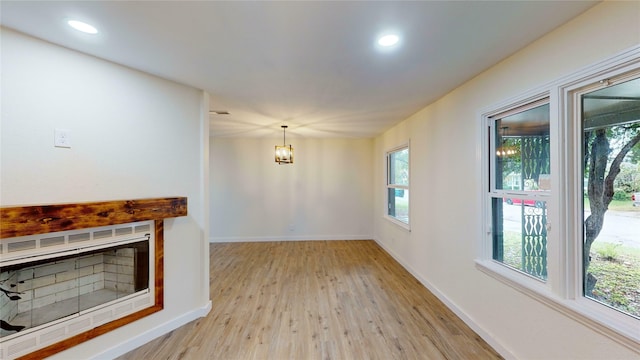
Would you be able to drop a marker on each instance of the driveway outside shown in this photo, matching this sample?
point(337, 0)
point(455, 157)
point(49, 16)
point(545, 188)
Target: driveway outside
point(620, 227)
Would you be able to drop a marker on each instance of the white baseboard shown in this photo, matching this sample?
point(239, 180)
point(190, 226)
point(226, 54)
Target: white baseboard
point(143, 338)
point(452, 306)
point(220, 239)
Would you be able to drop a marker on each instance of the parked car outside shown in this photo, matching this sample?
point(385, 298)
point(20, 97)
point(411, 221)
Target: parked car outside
point(635, 197)
point(526, 202)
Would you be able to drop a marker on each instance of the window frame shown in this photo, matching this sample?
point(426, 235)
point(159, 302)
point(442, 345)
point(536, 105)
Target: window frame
point(563, 289)
point(388, 186)
point(572, 200)
point(489, 122)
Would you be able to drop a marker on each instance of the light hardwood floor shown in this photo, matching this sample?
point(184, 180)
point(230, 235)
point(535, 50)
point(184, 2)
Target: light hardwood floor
point(317, 300)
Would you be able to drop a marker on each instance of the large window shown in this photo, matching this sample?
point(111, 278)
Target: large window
point(610, 119)
point(561, 196)
point(398, 185)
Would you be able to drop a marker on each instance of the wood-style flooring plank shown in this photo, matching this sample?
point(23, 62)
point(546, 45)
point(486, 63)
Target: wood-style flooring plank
point(316, 300)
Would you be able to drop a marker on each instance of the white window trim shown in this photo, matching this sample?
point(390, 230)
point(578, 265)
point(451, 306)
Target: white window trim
point(406, 226)
point(563, 289)
point(528, 101)
point(489, 191)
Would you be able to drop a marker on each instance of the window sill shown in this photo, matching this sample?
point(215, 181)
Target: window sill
point(398, 222)
point(584, 312)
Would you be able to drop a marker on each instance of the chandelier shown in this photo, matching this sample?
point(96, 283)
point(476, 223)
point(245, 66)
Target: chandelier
point(506, 150)
point(284, 153)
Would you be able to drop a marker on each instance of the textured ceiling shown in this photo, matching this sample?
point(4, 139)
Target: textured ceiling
point(311, 65)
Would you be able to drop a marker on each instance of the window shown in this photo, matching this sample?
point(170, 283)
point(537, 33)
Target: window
point(561, 195)
point(610, 119)
point(398, 185)
point(519, 179)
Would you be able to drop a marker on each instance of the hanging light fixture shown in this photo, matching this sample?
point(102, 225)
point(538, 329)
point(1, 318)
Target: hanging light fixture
point(284, 153)
point(506, 150)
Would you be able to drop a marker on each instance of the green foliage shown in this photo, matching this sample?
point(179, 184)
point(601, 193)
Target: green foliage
point(399, 167)
point(628, 180)
point(635, 154)
point(608, 251)
point(512, 249)
point(513, 163)
point(619, 194)
point(618, 280)
point(618, 205)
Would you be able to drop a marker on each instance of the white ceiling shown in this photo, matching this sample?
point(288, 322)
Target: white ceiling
point(311, 65)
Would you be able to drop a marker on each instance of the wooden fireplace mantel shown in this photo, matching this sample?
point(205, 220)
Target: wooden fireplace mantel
point(41, 219)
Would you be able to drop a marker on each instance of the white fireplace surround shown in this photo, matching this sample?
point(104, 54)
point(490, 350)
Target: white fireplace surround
point(50, 284)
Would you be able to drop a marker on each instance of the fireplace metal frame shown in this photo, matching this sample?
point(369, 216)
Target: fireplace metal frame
point(19, 221)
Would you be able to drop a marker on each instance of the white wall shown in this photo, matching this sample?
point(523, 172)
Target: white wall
point(133, 136)
point(446, 210)
point(325, 194)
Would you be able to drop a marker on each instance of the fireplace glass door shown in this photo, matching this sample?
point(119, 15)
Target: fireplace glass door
point(45, 291)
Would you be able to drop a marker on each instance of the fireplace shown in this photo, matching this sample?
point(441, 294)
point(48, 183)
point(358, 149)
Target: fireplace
point(59, 288)
point(58, 284)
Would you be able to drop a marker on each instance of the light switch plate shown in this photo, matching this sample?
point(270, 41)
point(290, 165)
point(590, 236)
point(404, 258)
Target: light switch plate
point(62, 138)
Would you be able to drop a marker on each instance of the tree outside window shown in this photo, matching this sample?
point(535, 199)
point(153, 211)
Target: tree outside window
point(611, 164)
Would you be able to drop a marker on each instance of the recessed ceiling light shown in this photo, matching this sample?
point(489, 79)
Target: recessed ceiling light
point(82, 26)
point(388, 40)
